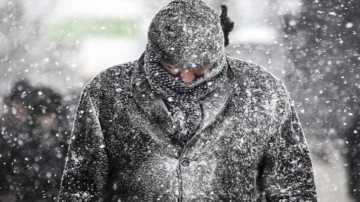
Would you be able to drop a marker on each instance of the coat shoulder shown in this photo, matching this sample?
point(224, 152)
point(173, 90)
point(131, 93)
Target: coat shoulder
point(111, 80)
point(110, 85)
point(253, 77)
point(257, 86)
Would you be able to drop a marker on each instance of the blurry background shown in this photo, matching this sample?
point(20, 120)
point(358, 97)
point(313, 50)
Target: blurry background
point(313, 46)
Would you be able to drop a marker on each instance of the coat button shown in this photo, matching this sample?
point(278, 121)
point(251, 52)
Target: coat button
point(185, 162)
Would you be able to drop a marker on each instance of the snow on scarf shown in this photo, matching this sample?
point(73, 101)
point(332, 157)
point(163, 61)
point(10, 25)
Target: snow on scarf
point(186, 33)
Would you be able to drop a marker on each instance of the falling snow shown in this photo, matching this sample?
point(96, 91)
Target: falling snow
point(127, 138)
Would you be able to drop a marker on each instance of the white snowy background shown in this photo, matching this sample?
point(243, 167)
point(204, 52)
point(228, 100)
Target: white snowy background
point(62, 44)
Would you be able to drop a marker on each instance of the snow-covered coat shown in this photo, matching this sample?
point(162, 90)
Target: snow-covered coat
point(249, 146)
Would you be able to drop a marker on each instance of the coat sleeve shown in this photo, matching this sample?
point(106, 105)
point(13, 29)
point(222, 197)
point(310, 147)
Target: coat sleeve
point(288, 173)
point(86, 167)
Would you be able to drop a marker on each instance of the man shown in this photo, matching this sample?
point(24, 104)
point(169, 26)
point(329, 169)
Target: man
point(187, 123)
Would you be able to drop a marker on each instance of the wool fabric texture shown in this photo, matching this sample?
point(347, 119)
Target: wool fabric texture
point(249, 145)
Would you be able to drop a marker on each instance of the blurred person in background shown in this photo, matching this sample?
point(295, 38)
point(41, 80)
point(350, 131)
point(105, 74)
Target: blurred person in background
point(33, 144)
point(187, 123)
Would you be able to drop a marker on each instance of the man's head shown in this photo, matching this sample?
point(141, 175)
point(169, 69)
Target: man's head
point(187, 37)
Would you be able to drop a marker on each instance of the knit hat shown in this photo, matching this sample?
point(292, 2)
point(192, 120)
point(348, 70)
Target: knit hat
point(187, 33)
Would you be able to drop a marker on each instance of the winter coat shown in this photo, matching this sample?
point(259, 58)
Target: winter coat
point(249, 145)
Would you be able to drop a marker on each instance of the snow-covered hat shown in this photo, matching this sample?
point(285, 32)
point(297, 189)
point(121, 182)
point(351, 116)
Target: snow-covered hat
point(187, 33)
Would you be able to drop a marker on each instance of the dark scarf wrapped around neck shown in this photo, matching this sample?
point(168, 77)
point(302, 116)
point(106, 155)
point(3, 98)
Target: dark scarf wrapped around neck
point(183, 100)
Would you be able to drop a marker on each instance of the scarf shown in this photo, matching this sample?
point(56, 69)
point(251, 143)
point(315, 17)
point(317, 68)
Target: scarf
point(182, 100)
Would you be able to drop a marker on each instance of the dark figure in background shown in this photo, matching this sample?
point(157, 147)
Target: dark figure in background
point(185, 122)
point(352, 136)
point(33, 144)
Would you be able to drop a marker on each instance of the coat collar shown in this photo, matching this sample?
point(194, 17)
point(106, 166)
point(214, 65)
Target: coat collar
point(154, 107)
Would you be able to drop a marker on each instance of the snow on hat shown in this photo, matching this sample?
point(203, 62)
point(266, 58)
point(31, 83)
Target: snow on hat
point(187, 33)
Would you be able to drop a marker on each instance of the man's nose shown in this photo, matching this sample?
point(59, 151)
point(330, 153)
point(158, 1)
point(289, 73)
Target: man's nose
point(187, 76)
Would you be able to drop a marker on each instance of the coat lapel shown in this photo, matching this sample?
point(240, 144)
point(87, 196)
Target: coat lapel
point(213, 107)
point(150, 102)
